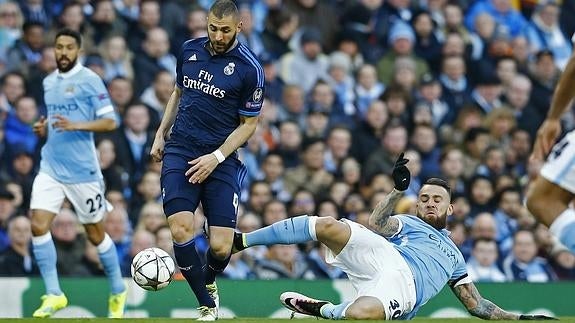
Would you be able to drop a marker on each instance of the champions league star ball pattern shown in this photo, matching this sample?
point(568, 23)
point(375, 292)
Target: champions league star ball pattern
point(152, 269)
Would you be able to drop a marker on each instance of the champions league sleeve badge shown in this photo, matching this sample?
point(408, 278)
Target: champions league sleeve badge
point(229, 70)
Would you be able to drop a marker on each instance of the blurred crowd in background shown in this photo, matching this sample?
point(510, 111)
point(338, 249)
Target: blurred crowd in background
point(460, 85)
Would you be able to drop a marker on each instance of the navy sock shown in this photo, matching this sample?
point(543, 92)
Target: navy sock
point(190, 265)
point(214, 266)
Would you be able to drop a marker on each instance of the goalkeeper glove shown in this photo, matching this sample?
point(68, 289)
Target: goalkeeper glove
point(400, 174)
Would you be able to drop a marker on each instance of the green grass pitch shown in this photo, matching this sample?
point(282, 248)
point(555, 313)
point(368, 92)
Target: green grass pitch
point(237, 320)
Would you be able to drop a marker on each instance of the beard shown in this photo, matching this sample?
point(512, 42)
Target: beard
point(221, 47)
point(65, 64)
point(436, 222)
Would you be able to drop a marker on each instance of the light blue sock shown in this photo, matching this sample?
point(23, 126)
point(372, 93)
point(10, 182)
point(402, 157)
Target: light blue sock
point(288, 231)
point(45, 253)
point(334, 312)
point(563, 227)
point(567, 236)
point(109, 259)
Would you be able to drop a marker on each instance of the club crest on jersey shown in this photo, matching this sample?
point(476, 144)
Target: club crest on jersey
point(258, 93)
point(69, 91)
point(229, 70)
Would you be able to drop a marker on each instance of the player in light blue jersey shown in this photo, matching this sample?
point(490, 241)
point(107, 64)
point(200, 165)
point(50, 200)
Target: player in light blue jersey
point(395, 266)
point(78, 105)
point(549, 197)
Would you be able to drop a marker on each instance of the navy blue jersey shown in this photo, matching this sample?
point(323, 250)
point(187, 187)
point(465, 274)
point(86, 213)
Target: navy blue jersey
point(216, 91)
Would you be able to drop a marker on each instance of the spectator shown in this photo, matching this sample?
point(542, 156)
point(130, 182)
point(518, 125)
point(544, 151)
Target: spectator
point(38, 72)
point(12, 87)
point(249, 35)
point(27, 51)
point(543, 32)
point(381, 160)
point(424, 141)
point(107, 22)
point(338, 146)
point(11, 21)
point(366, 137)
point(7, 210)
point(293, 105)
point(144, 18)
point(117, 58)
point(523, 264)
point(121, 94)
point(157, 95)
point(289, 144)
point(320, 268)
point(17, 260)
point(517, 97)
point(281, 24)
point(306, 65)
point(273, 211)
point(195, 26)
point(141, 239)
point(401, 39)
point(115, 176)
point(70, 244)
point(133, 142)
point(430, 93)
point(18, 126)
point(503, 13)
point(154, 57)
point(427, 44)
point(367, 89)
point(544, 75)
point(308, 12)
point(260, 194)
point(311, 174)
point(283, 261)
point(482, 265)
point(117, 225)
point(455, 86)
point(273, 174)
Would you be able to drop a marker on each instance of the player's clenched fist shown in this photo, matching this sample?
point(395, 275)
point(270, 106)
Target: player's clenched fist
point(400, 174)
point(39, 127)
point(157, 151)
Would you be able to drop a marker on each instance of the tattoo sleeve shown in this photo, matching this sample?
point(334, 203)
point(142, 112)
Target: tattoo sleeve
point(478, 306)
point(380, 220)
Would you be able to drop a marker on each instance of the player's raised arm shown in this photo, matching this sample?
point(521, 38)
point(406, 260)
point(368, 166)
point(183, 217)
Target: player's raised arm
point(482, 308)
point(380, 219)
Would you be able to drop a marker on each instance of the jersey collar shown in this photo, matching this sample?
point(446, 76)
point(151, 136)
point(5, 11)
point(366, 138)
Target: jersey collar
point(209, 48)
point(71, 72)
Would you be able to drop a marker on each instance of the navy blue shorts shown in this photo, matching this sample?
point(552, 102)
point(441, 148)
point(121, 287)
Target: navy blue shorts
point(219, 193)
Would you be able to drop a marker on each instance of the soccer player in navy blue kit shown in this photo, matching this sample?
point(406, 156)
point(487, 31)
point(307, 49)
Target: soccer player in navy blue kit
point(78, 105)
point(212, 112)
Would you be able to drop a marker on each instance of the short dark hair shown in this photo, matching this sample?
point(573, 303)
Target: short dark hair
point(224, 8)
point(486, 240)
point(71, 33)
point(439, 182)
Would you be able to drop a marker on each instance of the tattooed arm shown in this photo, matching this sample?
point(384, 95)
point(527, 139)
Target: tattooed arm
point(478, 306)
point(380, 220)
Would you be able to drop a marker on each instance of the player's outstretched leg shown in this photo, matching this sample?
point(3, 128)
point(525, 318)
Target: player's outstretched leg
point(289, 231)
point(45, 253)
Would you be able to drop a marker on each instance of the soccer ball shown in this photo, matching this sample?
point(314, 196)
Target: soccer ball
point(152, 269)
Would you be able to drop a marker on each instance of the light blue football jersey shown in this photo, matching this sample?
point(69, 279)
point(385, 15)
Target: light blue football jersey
point(433, 258)
point(80, 96)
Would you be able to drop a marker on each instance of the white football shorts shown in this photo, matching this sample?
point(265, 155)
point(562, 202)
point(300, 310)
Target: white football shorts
point(375, 268)
point(560, 165)
point(88, 198)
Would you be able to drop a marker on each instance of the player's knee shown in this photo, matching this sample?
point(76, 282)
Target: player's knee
point(365, 308)
point(220, 251)
point(182, 226)
point(39, 227)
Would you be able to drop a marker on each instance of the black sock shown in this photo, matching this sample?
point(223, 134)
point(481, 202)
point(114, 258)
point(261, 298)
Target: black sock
point(191, 267)
point(214, 266)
